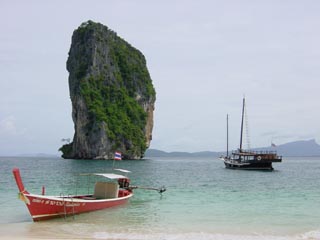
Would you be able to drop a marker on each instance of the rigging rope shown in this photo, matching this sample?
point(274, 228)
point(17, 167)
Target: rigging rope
point(247, 128)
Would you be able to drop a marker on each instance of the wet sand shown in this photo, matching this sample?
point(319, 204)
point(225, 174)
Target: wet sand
point(68, 230)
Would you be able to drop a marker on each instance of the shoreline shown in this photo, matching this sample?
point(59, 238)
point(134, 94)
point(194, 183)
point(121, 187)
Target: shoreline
point(74, 230)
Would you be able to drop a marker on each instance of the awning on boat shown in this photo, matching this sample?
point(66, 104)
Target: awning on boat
point(122, 170)
point(110, 175)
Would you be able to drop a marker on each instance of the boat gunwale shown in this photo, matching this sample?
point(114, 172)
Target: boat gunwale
point(74, 198)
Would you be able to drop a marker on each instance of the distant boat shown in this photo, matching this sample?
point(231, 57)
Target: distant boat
point(248, 159)
point(106, 194)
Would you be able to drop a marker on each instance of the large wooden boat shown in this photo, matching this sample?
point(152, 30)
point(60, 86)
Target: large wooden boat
point(252, 160)
point(106, 194)
point(249, 159)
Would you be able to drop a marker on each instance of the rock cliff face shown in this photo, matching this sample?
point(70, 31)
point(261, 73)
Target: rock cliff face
point(112, 96)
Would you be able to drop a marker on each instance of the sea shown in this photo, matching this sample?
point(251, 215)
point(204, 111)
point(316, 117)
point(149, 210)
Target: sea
point(203, 201)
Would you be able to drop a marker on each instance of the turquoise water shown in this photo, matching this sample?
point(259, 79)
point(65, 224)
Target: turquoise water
point(203, 200)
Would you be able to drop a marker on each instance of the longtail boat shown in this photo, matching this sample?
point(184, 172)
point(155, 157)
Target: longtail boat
point(106, 194)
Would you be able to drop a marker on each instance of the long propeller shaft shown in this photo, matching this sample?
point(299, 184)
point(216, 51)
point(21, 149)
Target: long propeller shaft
point(159, 190)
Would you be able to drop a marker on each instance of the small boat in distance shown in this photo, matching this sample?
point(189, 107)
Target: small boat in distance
point(248, 159)
point(106, 194)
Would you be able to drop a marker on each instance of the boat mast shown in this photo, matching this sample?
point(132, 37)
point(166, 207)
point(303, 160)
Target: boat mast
point(242, 125)
point(227, 135)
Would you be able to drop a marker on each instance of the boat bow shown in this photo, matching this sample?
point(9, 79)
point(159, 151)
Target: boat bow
point(17, 177)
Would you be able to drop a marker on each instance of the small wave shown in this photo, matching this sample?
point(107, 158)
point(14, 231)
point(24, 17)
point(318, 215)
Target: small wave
point(312, 235)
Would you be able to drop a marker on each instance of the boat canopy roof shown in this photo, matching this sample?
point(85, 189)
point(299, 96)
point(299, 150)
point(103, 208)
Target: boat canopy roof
point(110, 175)
point(122, 170)
point(106, 175)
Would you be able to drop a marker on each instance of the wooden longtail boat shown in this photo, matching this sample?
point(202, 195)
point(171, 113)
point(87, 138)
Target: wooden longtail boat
point(106, 195)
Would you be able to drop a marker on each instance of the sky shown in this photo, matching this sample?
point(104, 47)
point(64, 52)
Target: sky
point(203, 57)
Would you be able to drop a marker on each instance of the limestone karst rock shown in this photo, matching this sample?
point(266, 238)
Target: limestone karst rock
point(111, 93)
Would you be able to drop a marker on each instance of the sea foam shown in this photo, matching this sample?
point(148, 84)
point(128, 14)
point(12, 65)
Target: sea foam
point(312, 235)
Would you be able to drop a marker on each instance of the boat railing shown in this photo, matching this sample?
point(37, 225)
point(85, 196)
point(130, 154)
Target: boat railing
point(254, 152)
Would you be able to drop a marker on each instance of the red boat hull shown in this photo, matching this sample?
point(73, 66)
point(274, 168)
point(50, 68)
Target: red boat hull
point(47, 207)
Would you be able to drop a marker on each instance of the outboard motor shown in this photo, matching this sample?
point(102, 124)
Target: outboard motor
point(124, 182)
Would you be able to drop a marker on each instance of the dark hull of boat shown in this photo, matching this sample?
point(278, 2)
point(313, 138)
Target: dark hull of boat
point(266, 166)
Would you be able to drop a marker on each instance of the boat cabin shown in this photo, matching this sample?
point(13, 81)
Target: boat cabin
point(249, 156)
point(116, 186)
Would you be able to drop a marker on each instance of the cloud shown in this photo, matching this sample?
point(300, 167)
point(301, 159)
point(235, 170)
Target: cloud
point(202, 58)
point(8, 127)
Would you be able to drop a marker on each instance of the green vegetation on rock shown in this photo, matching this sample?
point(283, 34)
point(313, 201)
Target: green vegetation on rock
point(124, 117)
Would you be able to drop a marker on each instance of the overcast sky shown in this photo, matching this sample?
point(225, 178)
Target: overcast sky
point(203, 56)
